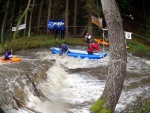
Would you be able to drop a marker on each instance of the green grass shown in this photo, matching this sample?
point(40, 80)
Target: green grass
point(40, 41)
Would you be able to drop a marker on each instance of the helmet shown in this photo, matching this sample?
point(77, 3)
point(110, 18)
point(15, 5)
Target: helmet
point(6, 48)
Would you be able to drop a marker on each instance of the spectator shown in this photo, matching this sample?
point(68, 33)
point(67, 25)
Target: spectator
point(88, 38)
point(62, 31)
point(55, 31)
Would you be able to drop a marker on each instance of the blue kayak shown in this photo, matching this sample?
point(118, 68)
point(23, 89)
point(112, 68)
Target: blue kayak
point(79, 53)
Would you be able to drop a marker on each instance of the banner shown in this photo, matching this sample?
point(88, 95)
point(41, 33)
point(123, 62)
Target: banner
point(97, 21)
point(128, 35)
point(50, 23)
point(23, 26)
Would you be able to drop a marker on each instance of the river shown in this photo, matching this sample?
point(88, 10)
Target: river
point(72, 84)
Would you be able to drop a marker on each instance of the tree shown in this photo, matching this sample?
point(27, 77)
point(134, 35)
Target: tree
point(89, 2)
point(75, 18)
point(18, 24)
point(4, 21)
point(117, 62)
point(12, 16)
point(66, 18)
point(39, 16)
point(30, 19)
point(49, 12)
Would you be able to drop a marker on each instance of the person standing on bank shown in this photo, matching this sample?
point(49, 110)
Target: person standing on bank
point(88, 38)
point(55, 28)
point(62, 31)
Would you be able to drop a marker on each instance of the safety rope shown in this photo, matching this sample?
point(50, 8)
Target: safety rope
point(141, 36)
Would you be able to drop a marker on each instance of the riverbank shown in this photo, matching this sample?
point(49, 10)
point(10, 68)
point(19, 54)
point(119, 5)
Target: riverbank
point(136, 47)
point(46, 41)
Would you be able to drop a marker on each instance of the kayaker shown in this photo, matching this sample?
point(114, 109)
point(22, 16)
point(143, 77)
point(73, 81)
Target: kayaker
point(88, 38)
point(63, 48)
point(92, 47)
point(7, 54)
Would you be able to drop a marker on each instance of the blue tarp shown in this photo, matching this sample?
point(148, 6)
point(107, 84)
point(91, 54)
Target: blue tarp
point(50, 23)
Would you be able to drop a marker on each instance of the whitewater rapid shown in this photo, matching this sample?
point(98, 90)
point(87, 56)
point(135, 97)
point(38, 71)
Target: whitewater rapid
point(80, 90)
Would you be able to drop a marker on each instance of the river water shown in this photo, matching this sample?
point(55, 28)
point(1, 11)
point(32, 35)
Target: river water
point(73, 84)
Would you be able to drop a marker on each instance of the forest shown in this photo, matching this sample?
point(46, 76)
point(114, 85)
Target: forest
point(76, 13)
point(127, 15)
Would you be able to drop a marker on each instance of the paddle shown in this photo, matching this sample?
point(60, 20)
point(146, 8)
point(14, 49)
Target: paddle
point(66, 51)
point(11, 54)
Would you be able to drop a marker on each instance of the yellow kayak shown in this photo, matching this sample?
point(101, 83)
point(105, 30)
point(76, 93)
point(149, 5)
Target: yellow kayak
point(101, 42)
point(104, 43)
point(13, 59)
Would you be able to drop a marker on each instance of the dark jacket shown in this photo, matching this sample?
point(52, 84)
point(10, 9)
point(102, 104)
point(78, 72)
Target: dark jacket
point(62, 28)
point(55, 28)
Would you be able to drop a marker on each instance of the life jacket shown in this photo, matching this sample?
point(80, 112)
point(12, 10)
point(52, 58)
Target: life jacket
point(7, 53)
point(92, 47)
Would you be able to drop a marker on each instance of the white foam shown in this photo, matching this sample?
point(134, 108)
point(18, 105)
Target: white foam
point(78, 89)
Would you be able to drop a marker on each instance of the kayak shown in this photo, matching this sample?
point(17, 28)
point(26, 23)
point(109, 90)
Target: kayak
point(101, 42)
point(13, 59)
point(79, 53)
point(104, 43)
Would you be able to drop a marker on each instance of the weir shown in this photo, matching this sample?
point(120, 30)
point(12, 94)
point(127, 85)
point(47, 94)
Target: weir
point(48, 83)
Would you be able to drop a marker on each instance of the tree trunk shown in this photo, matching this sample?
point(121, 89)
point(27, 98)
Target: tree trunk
point(4, 21)
point(25, 22)
point(117, 61)
point(49, 13)
point(75, 18)
point(31, 13)
point(66, 18)
point(89, 17)
point(18, 24)
point(145, 18)
point(13, 10)
point(39, 17)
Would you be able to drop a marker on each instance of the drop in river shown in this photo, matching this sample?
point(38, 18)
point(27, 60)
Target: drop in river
point(71, 84)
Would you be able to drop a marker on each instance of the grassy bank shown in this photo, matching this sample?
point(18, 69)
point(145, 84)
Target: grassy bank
point(39, 41)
